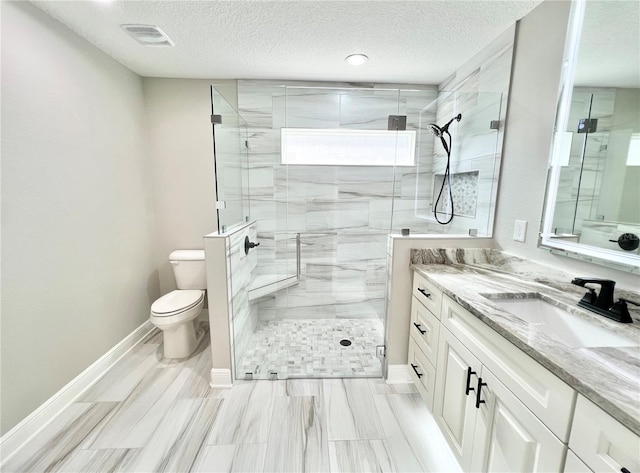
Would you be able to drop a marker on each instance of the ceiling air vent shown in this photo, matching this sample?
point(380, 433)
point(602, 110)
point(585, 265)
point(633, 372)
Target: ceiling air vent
point(148, 35)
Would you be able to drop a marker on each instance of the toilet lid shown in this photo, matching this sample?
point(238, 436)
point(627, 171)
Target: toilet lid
point(176, 301)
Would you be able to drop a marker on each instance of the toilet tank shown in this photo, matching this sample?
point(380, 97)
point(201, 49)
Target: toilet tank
point(189, 269)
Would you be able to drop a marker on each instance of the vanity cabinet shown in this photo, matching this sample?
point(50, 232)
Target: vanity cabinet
point(423, 340)
point(601, 442)
point(548, 397)
point(486, 425)
point(498, 408)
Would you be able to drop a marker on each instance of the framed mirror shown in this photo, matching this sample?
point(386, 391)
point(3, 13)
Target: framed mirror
point(592, 208)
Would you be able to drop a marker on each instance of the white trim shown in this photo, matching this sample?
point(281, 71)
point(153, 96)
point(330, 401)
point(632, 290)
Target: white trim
point(221, 378)
point(13, 440)
point(398, 374)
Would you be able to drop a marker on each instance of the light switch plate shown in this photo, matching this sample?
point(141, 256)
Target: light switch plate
point(520, 230)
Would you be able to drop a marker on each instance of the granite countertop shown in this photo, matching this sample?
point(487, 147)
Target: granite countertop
point(608, 376)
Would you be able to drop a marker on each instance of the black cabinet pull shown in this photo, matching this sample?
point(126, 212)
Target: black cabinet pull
point(624, 470)
point(469, 373)
point(422, 332)
point(415, 368)
point(478, 400)
point(424, 293)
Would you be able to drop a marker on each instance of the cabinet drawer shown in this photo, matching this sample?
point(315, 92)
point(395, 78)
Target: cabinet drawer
point(425, 328)
point(427, 294)
point(422, 373)
point(546, 395)
point(601, 442)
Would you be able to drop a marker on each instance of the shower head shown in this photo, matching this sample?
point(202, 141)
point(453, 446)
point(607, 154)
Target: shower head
point(439, 131)
point(434, 129)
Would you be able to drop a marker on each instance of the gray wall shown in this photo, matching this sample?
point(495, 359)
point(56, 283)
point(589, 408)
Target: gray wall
point(181, 151)
point(530, 118)
point(78, 266)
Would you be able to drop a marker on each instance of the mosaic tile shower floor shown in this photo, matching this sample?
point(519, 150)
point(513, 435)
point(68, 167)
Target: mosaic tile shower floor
point(311, 348)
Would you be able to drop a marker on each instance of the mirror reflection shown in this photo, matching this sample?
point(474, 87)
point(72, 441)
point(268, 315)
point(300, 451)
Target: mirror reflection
point(596, 154)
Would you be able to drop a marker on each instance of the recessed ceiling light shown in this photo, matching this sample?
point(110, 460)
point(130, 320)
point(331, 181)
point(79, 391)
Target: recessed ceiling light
point(356, 59)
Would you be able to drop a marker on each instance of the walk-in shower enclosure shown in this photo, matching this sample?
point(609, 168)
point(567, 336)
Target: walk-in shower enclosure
point(324, 174)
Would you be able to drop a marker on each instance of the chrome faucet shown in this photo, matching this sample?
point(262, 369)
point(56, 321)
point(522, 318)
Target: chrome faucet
point(602, 303)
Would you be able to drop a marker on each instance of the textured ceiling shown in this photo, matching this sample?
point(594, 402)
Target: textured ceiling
point(609, 53)
point(407, 41)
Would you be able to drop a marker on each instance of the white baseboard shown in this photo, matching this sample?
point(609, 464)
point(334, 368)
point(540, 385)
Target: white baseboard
point(221, 378)
point(13, 440)
point(398, 374)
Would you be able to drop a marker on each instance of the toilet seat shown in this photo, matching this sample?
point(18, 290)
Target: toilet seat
point(176, 302)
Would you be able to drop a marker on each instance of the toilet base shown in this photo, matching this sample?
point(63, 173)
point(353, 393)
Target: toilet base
point(181, 341)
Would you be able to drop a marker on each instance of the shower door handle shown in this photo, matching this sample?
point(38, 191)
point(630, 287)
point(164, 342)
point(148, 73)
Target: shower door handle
point(298, 264)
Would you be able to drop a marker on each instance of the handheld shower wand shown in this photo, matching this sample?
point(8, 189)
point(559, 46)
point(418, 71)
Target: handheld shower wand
point(440, 132)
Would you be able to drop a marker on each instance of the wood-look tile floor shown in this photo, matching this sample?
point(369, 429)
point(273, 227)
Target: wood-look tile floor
point(148, 414)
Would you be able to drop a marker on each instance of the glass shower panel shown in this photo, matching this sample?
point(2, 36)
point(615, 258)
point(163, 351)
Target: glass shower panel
point(474, 166)
point(231, 163)
point(581, 176)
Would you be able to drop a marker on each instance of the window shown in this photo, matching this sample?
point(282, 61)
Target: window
point(332, 147)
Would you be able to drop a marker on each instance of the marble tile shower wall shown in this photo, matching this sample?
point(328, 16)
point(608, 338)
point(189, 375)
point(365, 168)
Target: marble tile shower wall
point(242, 270)
point(343, 213)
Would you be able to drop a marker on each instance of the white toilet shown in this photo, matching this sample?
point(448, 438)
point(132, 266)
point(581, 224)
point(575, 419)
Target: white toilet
point(176, 313)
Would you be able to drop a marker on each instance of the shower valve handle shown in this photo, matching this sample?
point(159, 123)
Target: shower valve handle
point(249, 244)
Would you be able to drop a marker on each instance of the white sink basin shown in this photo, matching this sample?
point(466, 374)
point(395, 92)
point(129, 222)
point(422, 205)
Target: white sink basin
point(569, 329)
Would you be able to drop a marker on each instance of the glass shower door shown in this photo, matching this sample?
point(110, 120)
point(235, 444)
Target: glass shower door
point(334, 189)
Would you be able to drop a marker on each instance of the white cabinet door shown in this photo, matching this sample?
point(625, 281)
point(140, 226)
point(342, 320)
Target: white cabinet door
point(508, 437)
point(454, 404)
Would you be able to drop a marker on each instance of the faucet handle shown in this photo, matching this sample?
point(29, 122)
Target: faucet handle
point(621, 311)
point(622, 299)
